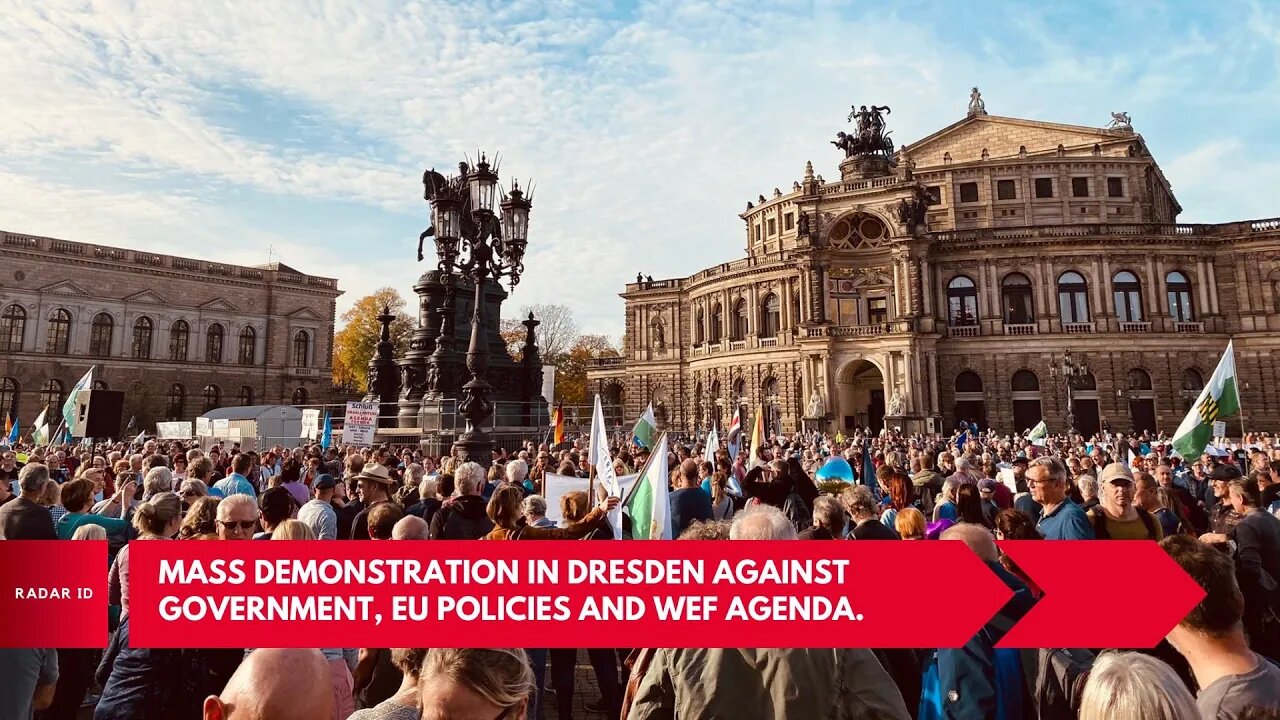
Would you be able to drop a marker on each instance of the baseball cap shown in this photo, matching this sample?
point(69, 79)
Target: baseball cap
point(1225, 472)
point(324, 482)
point(1115, 472)
point(986, 485)
point(1021, 460)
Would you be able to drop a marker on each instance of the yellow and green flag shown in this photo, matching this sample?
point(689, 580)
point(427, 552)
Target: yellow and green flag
point(1219, 398)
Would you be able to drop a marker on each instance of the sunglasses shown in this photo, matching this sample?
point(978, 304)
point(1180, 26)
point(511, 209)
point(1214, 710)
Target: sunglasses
point(243, 524)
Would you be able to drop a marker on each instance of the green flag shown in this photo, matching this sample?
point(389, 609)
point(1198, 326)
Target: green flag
point(1039, 431)
point(646, 428)
point(1219, 398)
point(648, 505)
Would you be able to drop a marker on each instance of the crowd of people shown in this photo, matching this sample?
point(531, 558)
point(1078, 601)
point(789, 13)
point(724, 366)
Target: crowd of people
point(1217, 516)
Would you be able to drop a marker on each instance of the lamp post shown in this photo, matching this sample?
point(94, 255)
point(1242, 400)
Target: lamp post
point(1073, 373)
point(473, 240)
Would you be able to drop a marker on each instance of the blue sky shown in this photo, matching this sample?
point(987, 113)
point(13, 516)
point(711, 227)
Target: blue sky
point(219, 130)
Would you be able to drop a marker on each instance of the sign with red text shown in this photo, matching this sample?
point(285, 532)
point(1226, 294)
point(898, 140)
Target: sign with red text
point(361, 420)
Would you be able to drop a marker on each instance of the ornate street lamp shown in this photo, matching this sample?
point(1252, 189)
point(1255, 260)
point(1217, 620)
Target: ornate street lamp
point(1073, 374)
point(473, 241)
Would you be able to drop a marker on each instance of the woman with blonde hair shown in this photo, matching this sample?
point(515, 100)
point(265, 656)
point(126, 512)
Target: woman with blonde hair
point(1130, 685)
point(475, 682)
point(200, 522)
point(293, 530)
point(51, 498)
point(721, 502)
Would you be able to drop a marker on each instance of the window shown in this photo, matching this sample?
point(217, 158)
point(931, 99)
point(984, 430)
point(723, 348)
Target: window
point(773, 227)
point(52, 395)
point(248, 345)
point(1025, 381)
point(301, 348)
point(788, 221)
point(9, 398)
point(212, 397)
point(878, 311)
point(771, 314)
point(177, 399)
point(1179, 290)
point(1192, 380)
point(1026, 399)
point(843, 311)
point(141, 348)
point(246, 395)
point(968, 382)
point(213, 344)
point(1044, 187)
point(934, 193)
point(59, 339)
point(1079, 187)
point(962, 302)
point(300, 396)
point(179, 335)
point(1139, 379)
point(969, 192)
point(738, 330)
point(1015, 290)
point(13, 325)
point(100, 335)
point(1115, 187)
point(1127, 292)
point(1006, 190)
point(1073, 298)
point(717, 325)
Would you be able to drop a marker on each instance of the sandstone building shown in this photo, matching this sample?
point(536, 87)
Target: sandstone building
point(948, 280)
point(179, 336)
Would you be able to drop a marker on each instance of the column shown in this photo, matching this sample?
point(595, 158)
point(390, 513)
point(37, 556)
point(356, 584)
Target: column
point(1152, 298)
point(753, 311)
point(784, 299)
point(899, 309)
point(1107, 296)
point(1213, 286)
point(1044, 291)
point(910, 390)
point(1242, 283)
point(988, 304)
point(1099, 307)
point(933, 383)
point(926, 289)
point(1202, 284)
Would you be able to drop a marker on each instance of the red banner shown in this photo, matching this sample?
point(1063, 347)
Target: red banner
point(53, 593)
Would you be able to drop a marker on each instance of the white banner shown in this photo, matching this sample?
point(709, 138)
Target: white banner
point(204, 428)
point(557, 486)
point(220, 426)
point(310, 423)
point(549, 383)
point(173, 431)
point(360, 423)
point(1219, 428)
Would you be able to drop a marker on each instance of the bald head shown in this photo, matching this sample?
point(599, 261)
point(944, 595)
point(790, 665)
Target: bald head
point(978, 538)
point(410, 527)
point(275, 684)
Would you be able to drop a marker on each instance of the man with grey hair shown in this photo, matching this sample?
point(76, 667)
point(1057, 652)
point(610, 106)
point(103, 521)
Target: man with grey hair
point(828, 520)
point(861, 506)
point(463, 516)
point(517, 471)
point(411, 527)
point(761, 522)
point(1059, 518)
point(1088, 486)
point(23, 517)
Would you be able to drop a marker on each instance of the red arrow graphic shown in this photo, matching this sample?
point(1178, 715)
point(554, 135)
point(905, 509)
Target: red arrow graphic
point(1076, 574)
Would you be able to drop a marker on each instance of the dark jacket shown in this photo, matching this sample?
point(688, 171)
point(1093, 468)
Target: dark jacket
point(873, 529)
point(21, 519)
point(461, 518)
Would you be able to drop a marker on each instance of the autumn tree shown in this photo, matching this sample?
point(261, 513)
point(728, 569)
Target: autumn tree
point(571, 370)
point(556, 332)
point(355, 344)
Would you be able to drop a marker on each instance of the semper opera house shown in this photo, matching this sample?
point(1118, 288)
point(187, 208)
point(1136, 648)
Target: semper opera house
point(997, 271)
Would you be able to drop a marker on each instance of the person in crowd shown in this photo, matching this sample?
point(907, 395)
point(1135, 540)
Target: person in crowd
point(1059, 518)
point(722, 505)
point(237, 482)
point(375, 484)
point(382, 520)
point(1222, 515)
point(157, 480)
point(969, 505)
point(51, 500)
point(987, 494)
point(77, 496)
point(275, 684)
point(1015, 525)
point(290, 478)
point(828, 520)
point(191, 490)
point(275, 505)
point(237, 517)
point(1231, 676)
point(200, 521)
point(30, 676)
point(898, 495)
point(429, 500)
point(926, 482)
point(411, 527)
point(945, 508)
point(1192, 511)
point(475, 683)
point(534, 510)
point(765, 682)
point(910, 524)
point(1087, 485)
point(1117, 517)
point(405, 704)
point(292, 529)
point(463, 516)
point(1257, 541)
point(1133, 685)
point(688, 501)
point(318, 513)
point(23, 517)
point(505, 510)
point(861, 505)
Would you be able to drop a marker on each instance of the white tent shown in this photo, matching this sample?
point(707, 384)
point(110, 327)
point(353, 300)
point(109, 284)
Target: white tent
point(253, 426)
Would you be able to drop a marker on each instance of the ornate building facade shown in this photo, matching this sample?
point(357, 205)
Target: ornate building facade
point(998, 271)
point(179, 336)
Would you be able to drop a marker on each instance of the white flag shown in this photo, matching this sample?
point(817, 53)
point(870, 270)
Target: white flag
point(713, 445)
point(603, 463)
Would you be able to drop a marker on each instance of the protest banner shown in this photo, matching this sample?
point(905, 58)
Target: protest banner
point(360, 423)
point(204, 428)
point(310, 423)
point(173, 430)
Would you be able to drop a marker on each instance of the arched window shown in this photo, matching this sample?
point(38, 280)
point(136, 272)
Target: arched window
point(300, 396)
point(740, 392)
point(1015, 290)
point(738, 328)
point(1192, 380)
point(1139, 379)
point(53, 394)
point(213, 344)
point(13, 325)
point(141, 349)
point(717, 322)
point(968, 382)
point(301, 348)
point(177, 400)
point(1179, 289)
point(8, 398)
point(179, 337)
point(1025, 381)
point(771, 315)
point(715, 390)
point(246, 395)
point(962, 302)
point(770, 387)
point(1127, 292)
point(248, 345)
point(100, 335)
point(212, 397)
point(1073, 298)
point(1026, 400)
point(58, 341)
point(699, 332)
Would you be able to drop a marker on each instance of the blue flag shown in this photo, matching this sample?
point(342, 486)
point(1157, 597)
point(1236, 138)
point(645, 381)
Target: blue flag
point(327, 437)
point(960, 441)
point(13, 434)
point(66, 436)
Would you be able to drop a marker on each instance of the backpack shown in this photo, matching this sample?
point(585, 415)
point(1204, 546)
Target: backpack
point(797, 512)
point(1099, 522)
point(456, 527)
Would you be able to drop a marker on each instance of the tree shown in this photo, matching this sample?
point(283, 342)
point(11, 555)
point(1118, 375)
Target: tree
point(571, 371)
point(355, 344)
point(554, 335)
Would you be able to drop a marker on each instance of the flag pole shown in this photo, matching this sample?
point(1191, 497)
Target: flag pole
point(1231, 343)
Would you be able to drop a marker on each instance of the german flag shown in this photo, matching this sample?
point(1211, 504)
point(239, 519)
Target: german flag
point(557, 424)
